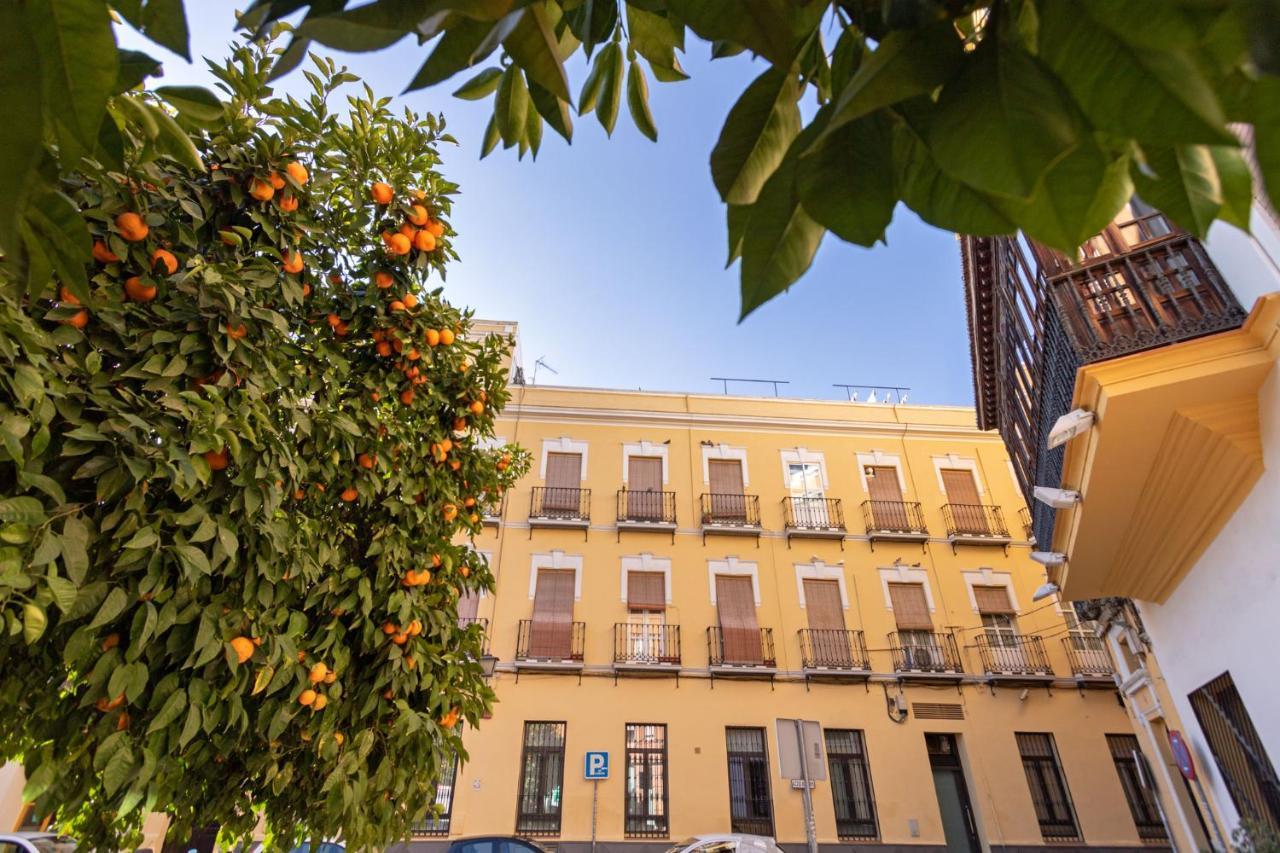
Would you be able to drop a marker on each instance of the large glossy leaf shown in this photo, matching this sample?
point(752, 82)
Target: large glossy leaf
point(1183, 183)
point(78, 65)
point(1237, 184)
point(846, 182)
point(1003, 122)
point(373, 26)
point(592, 21)
point(737, 216)
point(195, 102)
point(134, 67)
point(463, 44)
point(775, 29)
point(510, 106)
point(534, 47)
point(755, 136)
point(1265, 115)
point(480, 86)
point(21, 93)
point(656, 37)
point(555, 111)
point(1152, 95)
point(638, 101)
point(610, 87)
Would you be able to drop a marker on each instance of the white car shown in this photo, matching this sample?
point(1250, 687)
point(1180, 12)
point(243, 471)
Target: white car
point(36, 842)
point(726, 842)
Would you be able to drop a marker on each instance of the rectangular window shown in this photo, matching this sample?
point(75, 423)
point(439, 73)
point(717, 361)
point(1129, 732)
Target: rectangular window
point(646, 803)
point(646, 617)
point(1049, 791)
point(438, 824)
point(750, 803)
point(551, 631)
point(1141, 799)
point(1238, 751)
point(967, 513)
point(726, 484)
point(736, 611)
point(851, 784)
point(563, 482)
point(541, 779)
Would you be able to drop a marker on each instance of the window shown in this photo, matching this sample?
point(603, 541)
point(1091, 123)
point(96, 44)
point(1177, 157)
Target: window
point(740, 637)
point(1049, 791)
point(438, 824)
point(726, 483)
point(541, 779)
point(851, 784)
point(808, 507)
point(551, 630)
point(646, 803)
point(1141, 799)
point(888, 512)
point(646, 637)
point(918, 648)
point(1238, 751)
point(564, 482)
point(750, 804)
point(967, 512)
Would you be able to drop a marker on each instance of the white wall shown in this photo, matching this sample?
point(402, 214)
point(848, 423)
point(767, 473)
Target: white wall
point(1223, 616)
point(1250, 263)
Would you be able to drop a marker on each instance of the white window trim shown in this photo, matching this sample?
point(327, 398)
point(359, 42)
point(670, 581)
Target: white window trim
point(646, 563)
point(820, 571)
point(724, 451)
point(875, 457)
point(799, 456)
point(964, 463)
point(733, 566)
point(491, 442)
point(905, 574)
point(644, 448)
point(556, 560)
point(987, 577)
point(563, 445)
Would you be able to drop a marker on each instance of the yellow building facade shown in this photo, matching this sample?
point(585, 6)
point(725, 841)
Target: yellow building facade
point(678, 572)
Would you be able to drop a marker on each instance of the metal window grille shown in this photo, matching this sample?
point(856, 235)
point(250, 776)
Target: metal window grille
point(750, 803)
point(1237, 749)
point(851, 784)
point(437, 823)
point(646, 791)
point(1141, 799)
point(1049, 791)
point(539, 806)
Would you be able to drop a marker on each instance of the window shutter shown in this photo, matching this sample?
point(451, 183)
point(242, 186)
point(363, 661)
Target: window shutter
point(468, 604)
point(564, 470)
point(725, 476)
point(551, 633)
point(961, 489)
point(822, 605)
point(992, 599)
point(644, 473)
point(910, 607)
point(646, 591)
point(736, 609)
point(883, 484)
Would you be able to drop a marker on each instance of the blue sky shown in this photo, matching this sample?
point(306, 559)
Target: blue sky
point(610, 252)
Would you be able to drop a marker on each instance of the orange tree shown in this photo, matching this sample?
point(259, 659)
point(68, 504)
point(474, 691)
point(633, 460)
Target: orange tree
point(240, 449)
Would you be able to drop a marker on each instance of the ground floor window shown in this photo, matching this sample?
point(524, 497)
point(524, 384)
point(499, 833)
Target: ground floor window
point(1238, 751)
point(851, 784)
point(438, 823)
point(1141, 799)
point(646, 789)
point(541, 779)
point(1048, 786)
point(750, 802)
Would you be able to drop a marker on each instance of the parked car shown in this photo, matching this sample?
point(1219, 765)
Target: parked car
point(36, 842)
point(726, 842)
point(495, 844)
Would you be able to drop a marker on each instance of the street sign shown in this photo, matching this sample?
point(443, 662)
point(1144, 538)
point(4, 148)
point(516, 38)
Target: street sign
point(1182, 755)
point(595, 765)
point(789, 765)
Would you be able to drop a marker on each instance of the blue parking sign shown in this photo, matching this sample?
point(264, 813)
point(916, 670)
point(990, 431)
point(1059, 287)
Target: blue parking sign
point(595, 765)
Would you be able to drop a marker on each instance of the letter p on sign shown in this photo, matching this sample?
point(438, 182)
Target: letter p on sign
point(595, 765)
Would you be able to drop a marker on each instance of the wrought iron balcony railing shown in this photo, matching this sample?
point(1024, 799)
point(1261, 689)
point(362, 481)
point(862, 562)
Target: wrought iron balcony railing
point(925, 652)
point(636, 507)
point(744, 647)
point(894, 519)
point(465, 622)
point(833, 649)
point(1088, 657)
point(730, 510)
point(562, 505)
point(1012, 654)
point(646, 645)
point(975, 522)
point(1028, 528)
point(547, 641)
point(491, 512)
point(813, 514)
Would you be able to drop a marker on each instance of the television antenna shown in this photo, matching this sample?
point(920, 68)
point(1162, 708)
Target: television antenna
point(541, 362)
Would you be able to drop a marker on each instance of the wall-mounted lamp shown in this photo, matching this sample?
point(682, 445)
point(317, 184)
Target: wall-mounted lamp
point(1068, 426)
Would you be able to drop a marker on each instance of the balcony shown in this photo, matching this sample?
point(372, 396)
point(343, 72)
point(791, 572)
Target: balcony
point(814, 518)
point(975, 524)
point(647, 511)
point(894, 521)
point(560, 507)
point(730, 514)
point(1013, 657)
point(1028, 527)
point(646, 648)
point(551, 646)
point(833, 653)
point(1090, 661)
point(741, 652)
point(465, 622)
point(925, 655)
point(491, 514)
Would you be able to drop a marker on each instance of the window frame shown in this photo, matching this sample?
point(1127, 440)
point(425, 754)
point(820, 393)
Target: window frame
point(630, 754)
point(1039, 770)
point(856, 762)
point(1231, 729)
point(554, 819)
point(1145, 810)
point(750, 825)
point(439, 826)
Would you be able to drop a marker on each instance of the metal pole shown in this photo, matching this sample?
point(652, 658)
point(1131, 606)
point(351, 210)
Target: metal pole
point(595, 800)
point(810, 828)
point(1212, 818)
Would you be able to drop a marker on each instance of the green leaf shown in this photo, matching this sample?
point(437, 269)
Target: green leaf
point(1183, 183)
point(551, 108)
point(533, 46)
point(775, 29)
point(906, 64)
point(847, 183)
point(463, 44)
point(75, 555)
point(755, 136)
point(656, 37)
point(610, 87)
point(196, 102)
point(510, 106)
point(491, 137)
point(33, 622)
point(1237, 185)
point(21, 511)
point(369, 27)
point(144, 538)
point(1265, 116)
point(1003, 122)
point(135, 67)
point(112, 606)
point(118, 770)
point(66, 239)
point(174, 142)
point(193, 558)
point(170, 711)
point(480, 86)
point(591, 87)
point(737, 215)
point(64, 592)
point(638, 101)
point(165, 23)
point(191, 726)
point(592, 21)
point(533, 131)
point(78, 63)
point(22, 143)
point(1152, 95)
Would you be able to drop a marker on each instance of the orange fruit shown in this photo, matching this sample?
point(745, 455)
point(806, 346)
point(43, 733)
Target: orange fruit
point(307, 697)
point(261, 190)
point(384, 350)
point(237, 332)
point(320, 702)
point(410, 300)
point(455, 464)
point(102, 254)
point(124, 721)
point(243, 648)
point(137, 291)
point(433, 337)
point(382, 193)
point(288, 202)
point(383, 280)
point(365, 460)
point(436, 227)
point(349, 494)
point(334, 320)
point(400, 639)
point(217, 459)
point(414, 629)
point(409, 662)
point(332, 676)
point(447, 336)
point(292, 261)
point(450, 719)
point(408, 230)
point(317, 673)
point(398, 244)
point(424, 241)
point(418, 195)
point(465, 571)
point(131, 227)
point(277, 182)
point(406, 396)
point(257, 641)
point(338, 738)
point(319, 487)
point(375, 396)
point(418, 215)
point(413, 355)
point(435, 560)
point(298, 172)
point(65, 295)
point(469, 502)
point(110, 641)
point(341, 329)
point(446, 445)
point(389, 628)
point(165, 258)
point(476, 407)
point(299, 494)
point(450, 512)
point(396, 305)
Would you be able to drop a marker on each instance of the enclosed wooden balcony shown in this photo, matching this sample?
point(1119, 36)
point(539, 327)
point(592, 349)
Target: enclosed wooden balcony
point(894, 521)
point(560, 507)
point(1013, 657)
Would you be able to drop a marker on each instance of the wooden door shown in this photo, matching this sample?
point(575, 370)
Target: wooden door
point(887, 509)
point(551, 631)
point(736, 607)
point(728, 503)
point(644, 487)
point(966, 506)
point(829, 644)
point(564, 483)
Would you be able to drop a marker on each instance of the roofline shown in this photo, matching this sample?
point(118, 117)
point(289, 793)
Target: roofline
point(710, 396)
